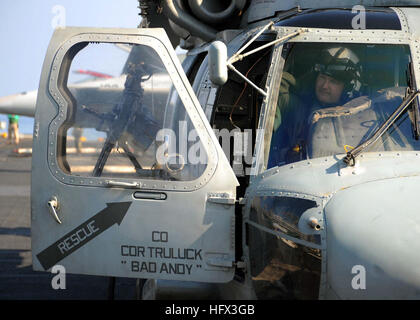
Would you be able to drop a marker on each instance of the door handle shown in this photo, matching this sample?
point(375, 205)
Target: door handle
point(53, 207)
point(111, 183)
point(150, 195)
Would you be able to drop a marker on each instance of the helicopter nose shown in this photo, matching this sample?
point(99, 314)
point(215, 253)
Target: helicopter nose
point(21, 104)
point(373, 241)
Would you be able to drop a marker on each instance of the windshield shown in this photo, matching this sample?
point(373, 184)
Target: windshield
point(334, 96)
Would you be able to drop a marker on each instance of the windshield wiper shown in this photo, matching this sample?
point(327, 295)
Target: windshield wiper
point(415, 106)
point(352, 154)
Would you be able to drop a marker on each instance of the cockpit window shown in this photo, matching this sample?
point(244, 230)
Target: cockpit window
point(334, 96)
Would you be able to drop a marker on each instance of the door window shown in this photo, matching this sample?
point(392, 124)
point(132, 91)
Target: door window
point(128, 122)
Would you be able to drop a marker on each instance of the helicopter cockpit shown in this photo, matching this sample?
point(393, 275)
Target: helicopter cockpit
point(372, 81)
point(335, 99)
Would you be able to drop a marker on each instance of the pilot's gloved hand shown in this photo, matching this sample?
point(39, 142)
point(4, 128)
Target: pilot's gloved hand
point(288, 82)
point(296, 153)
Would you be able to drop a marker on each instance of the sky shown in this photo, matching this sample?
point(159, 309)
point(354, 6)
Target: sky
point(26, 28)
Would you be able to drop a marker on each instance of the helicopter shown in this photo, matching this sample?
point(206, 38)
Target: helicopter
point(314, 199)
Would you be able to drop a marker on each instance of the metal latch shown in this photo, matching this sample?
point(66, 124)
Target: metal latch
point(226, 263)
point(221, 198)
point(242, 201)
point(220, 262)
point(53, 207)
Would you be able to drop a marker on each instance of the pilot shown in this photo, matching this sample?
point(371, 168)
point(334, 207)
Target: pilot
point(338, 76)
point(333, 80)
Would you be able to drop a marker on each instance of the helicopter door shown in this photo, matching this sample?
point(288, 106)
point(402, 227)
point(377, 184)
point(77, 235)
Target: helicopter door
point(128, 177)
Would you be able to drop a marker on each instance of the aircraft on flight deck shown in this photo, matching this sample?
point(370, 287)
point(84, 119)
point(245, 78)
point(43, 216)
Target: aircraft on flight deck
point(315, 199)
